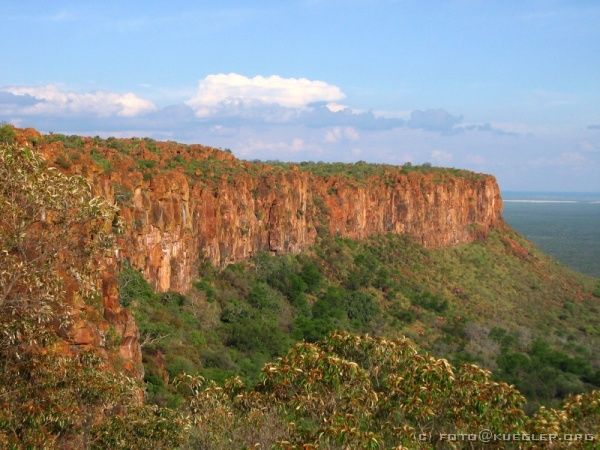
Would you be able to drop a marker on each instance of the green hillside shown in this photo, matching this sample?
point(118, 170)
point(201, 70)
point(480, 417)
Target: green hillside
point(498, 302)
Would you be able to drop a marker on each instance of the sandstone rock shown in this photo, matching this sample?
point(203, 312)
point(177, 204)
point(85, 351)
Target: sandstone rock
point(231, 209)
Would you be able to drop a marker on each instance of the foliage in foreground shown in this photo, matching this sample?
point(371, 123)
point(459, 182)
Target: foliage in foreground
point(350, 391)
point(52, 233)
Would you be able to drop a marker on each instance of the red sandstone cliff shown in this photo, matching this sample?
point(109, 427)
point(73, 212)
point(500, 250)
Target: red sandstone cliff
point(175, 223)
point(181, 203)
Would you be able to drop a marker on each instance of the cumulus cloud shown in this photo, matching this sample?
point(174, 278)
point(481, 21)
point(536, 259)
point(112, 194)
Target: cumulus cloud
point(220, 92)
point(52, 100)
point(229, 105)
point(441, 121)
point(227, 100)
point(8, 100)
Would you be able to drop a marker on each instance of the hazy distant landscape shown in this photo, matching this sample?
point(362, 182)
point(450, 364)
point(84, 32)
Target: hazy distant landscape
point(564, 225)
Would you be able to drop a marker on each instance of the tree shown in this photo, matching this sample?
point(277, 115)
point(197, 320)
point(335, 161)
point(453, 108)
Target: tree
point(53, 233)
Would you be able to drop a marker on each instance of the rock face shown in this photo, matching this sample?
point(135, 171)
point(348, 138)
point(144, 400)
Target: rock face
point(71, 242)
point(175, 224)
point(114, 334)
point(184, 203)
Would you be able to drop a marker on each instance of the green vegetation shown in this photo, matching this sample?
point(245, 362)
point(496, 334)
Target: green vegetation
point(361, 170)
point(70, 142)
point(120, 145)
point(541, 372)
point(146, 164)
point(51, 395)
point(450, 301)
point(212, 168)
point(7, 134)
point(209, 166)
point(151, 145)
point(360, 392)
point(101, 160)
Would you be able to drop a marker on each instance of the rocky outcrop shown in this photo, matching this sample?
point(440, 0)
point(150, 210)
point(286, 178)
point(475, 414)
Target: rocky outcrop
point(174, 224)
point(67, 233)
point(183, 203)
point(113, 333)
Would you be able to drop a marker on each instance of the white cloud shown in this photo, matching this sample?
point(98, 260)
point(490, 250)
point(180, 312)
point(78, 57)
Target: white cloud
point(233, 90)
point(52, 100)
point(337, 134)
point(335, 107)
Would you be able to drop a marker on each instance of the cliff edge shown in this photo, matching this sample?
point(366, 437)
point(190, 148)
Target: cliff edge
point(182, 203)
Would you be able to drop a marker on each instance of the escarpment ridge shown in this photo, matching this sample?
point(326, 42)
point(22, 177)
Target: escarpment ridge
point(183, 203)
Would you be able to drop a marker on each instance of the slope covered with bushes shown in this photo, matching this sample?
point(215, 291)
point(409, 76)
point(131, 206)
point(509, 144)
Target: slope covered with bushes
point(497, 302)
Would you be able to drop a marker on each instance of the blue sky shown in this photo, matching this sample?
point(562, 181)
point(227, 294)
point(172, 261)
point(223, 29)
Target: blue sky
point(506, 87)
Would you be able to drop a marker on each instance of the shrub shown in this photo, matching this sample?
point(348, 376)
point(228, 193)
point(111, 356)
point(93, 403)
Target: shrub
point(256, 335)
point(52, 398)
point(178, 364)
point(151, 145)
point(361, 308)
point(62, 162)
point(71, 142)
point(117, 144)
point(429, 301)
point(311, 275)
point(123, 195)
point(146, 164)
point(100, 160)
point(261, 297)
point(132, 286)
point(7, 134)
point(403, 315)
point(542, 372)
point(354, 392)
